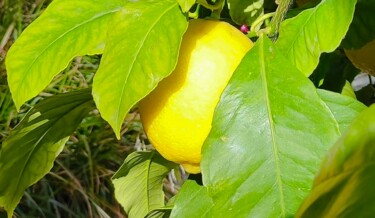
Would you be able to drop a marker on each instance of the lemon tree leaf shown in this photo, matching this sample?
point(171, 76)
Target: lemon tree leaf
point(320, 29)
point(344, 186)
point(139, 181)
point(142, 49)
point(348, 90)
point(245, 11)
point(186, 4)
point(362, 29)
point(29, 152)
point(66, 29)
point(270, 130)
point(344, 108)
point(185, 207)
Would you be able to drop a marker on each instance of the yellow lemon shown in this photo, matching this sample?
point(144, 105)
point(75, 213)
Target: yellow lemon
point(177, 115)
point(363, 58)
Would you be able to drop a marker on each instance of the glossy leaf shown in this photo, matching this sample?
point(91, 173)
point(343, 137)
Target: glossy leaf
point(362, 29)
point(347, 90)
point(66, 29)
point(344, 186)
point(345, 109)
point(138, 183)
point(193, 201)
point(320, 29)
point(245, 11)
point(142, 49)
point(29, 152)
point(269, 132)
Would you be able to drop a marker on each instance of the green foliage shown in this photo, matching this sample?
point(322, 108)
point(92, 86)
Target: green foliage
point(344, 186)
point(131, 65)
point(185, 207)
point(244, 11)
point(320, 29)
point(138, 183)
point(32, 66)
point(270, 160)
point(343, 108)
point(186, 4)
point(28, 154)
point(270, 132)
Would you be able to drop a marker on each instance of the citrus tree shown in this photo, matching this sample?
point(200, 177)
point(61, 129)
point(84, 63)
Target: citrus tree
point(254, 96)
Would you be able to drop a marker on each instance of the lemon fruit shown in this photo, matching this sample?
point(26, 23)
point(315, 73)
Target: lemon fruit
point(363, 58)
point(177, 115)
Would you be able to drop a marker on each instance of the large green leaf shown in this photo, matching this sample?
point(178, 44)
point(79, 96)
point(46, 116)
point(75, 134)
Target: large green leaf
point(142, 49)
point(269, 133)
point(362, 29)
point(345, 109)
point(138, 183)
point(29, 152)
point(245, 11)
point(192, 201)
point(344, 186)
point(66, 29)
point(320, 29)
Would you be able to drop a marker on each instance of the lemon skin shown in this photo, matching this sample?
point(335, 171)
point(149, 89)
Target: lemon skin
point(177, 115)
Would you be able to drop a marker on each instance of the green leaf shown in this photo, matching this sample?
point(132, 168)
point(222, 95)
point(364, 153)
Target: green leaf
point(347, 90)
point(270, 131)
point(29, 152)
point(186, 4)
point(362, 29)
point(138, 183)
point(192, 201)
point(344, 186)
point(320, 29)
point(345, 109)
point(142, 49)
point(65, 30)
point(245, 11)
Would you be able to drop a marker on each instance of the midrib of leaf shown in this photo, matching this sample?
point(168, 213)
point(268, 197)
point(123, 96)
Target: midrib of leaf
point(271, 124)
point(98, 16)
point(35, 145)
point(135, 58)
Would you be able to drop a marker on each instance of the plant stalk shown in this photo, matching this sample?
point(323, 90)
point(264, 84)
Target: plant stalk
point(280, 13)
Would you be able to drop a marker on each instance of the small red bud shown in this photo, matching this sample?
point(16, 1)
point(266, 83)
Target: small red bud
point(244, 29)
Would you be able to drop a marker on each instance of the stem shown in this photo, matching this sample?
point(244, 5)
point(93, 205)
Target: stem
point(278, 18)
point(259, 21)
point(195, 14)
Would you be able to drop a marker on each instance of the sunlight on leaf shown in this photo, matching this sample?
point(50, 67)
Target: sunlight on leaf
point(65, 30)
point(344, 186)
point(189, 193)
point(320, 29)
point(29, 152)
point(142, 49)
point(245, 11)
point(138, 183)
point(345, 109)
point(270, 131)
